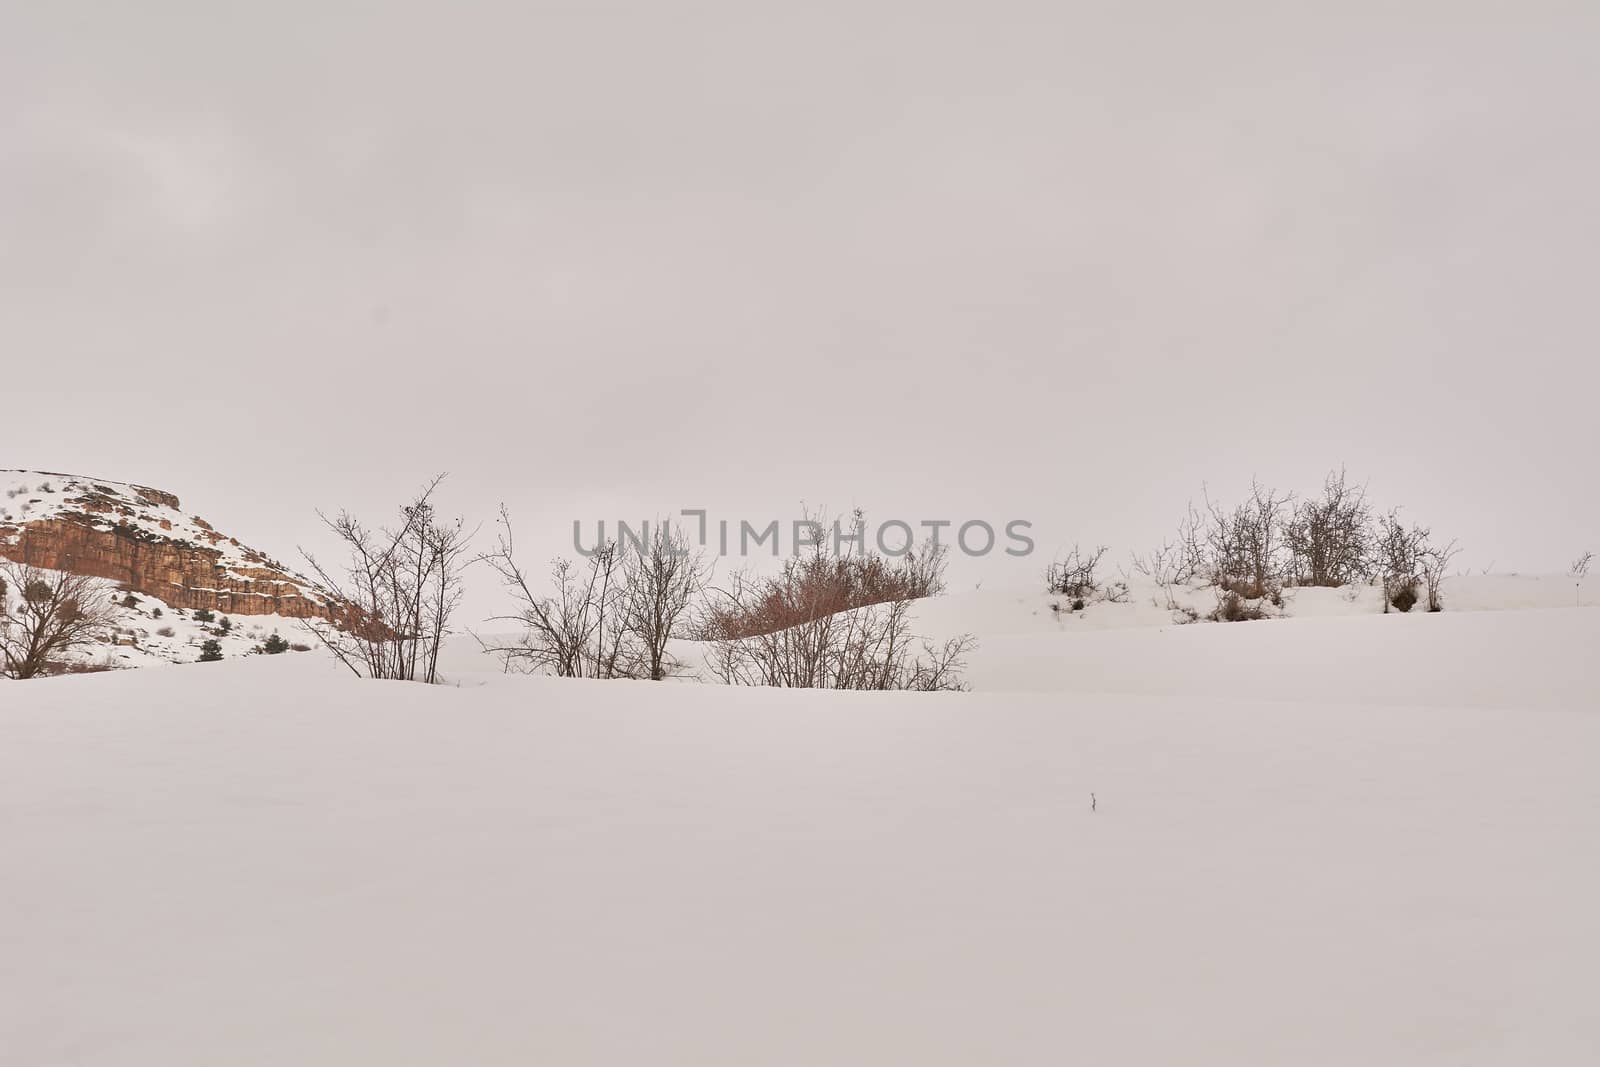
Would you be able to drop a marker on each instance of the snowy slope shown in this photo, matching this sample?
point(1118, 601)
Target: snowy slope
point(266, 862)
point(1337, 641)
point(149, 543)
point(143, 638)
point(147, 631)
point(1031, 640)
point(30, 496)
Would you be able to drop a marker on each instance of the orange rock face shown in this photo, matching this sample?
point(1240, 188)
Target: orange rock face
point(185, 575)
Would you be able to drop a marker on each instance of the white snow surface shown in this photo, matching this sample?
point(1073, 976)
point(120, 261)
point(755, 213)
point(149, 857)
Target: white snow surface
point(1345, 840)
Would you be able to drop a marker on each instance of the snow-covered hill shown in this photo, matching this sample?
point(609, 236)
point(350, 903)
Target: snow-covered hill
point(149, 632)
point(141, 539)
point(1358, 840)
point(1032, 640)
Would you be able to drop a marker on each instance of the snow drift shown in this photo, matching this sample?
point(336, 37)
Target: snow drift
point(1379, 850)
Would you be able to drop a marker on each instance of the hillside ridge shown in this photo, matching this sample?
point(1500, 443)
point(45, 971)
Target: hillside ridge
point(140, 537)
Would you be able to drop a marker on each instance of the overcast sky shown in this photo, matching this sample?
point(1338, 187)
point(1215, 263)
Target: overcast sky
point(981, 260)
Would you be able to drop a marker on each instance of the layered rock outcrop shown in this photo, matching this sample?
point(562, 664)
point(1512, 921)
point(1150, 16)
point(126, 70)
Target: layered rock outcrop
point(140, 538)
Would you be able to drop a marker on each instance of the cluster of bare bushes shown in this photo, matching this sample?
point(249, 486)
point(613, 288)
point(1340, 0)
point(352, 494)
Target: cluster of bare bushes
point(1248, 553)
point(826, 619)
point(1331, 539)
point(46, 614)
point(833, 620)
point(612, 617)
point(396, 591)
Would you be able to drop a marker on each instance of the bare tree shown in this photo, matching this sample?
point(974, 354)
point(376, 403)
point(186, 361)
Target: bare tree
point(1246, 544)
point(660, 582)
point(46, 614)
point(1329, 538)
point(579, 630)
point(396, 593)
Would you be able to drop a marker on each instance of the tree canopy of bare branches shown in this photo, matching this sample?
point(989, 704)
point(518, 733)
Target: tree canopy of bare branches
point(396, 591)
point(660, 581)
point(46, 614)
point(611, 616)
point(1329, 538)
point(1246, 543)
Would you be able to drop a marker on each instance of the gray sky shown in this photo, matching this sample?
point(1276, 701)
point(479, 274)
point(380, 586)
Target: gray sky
point(1049, 261)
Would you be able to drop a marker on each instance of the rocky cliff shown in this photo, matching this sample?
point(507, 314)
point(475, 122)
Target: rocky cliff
point(140, 537)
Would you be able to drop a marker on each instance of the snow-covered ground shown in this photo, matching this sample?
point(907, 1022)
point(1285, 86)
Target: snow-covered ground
point(1339, 840)
point(147, 631)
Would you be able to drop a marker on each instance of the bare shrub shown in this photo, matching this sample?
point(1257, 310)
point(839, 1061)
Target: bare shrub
point(1174, 563)
point(1231, 607)
point(869, 647)
point(660, 581)
point(832, 621)
point(1435, 561)
point(1160, 565)
point(1245, 544)
point(1190, 553)
point(609, 618)
point(45, 615)
point(166, 631)
point(575, 632)
point(1075, 576)
point(1329, 538)
point(396, 592)
point(1404, 597)
point(1399, 550)
point(820, 583)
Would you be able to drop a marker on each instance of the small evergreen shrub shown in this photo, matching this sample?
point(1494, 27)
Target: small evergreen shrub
point(211, 651)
